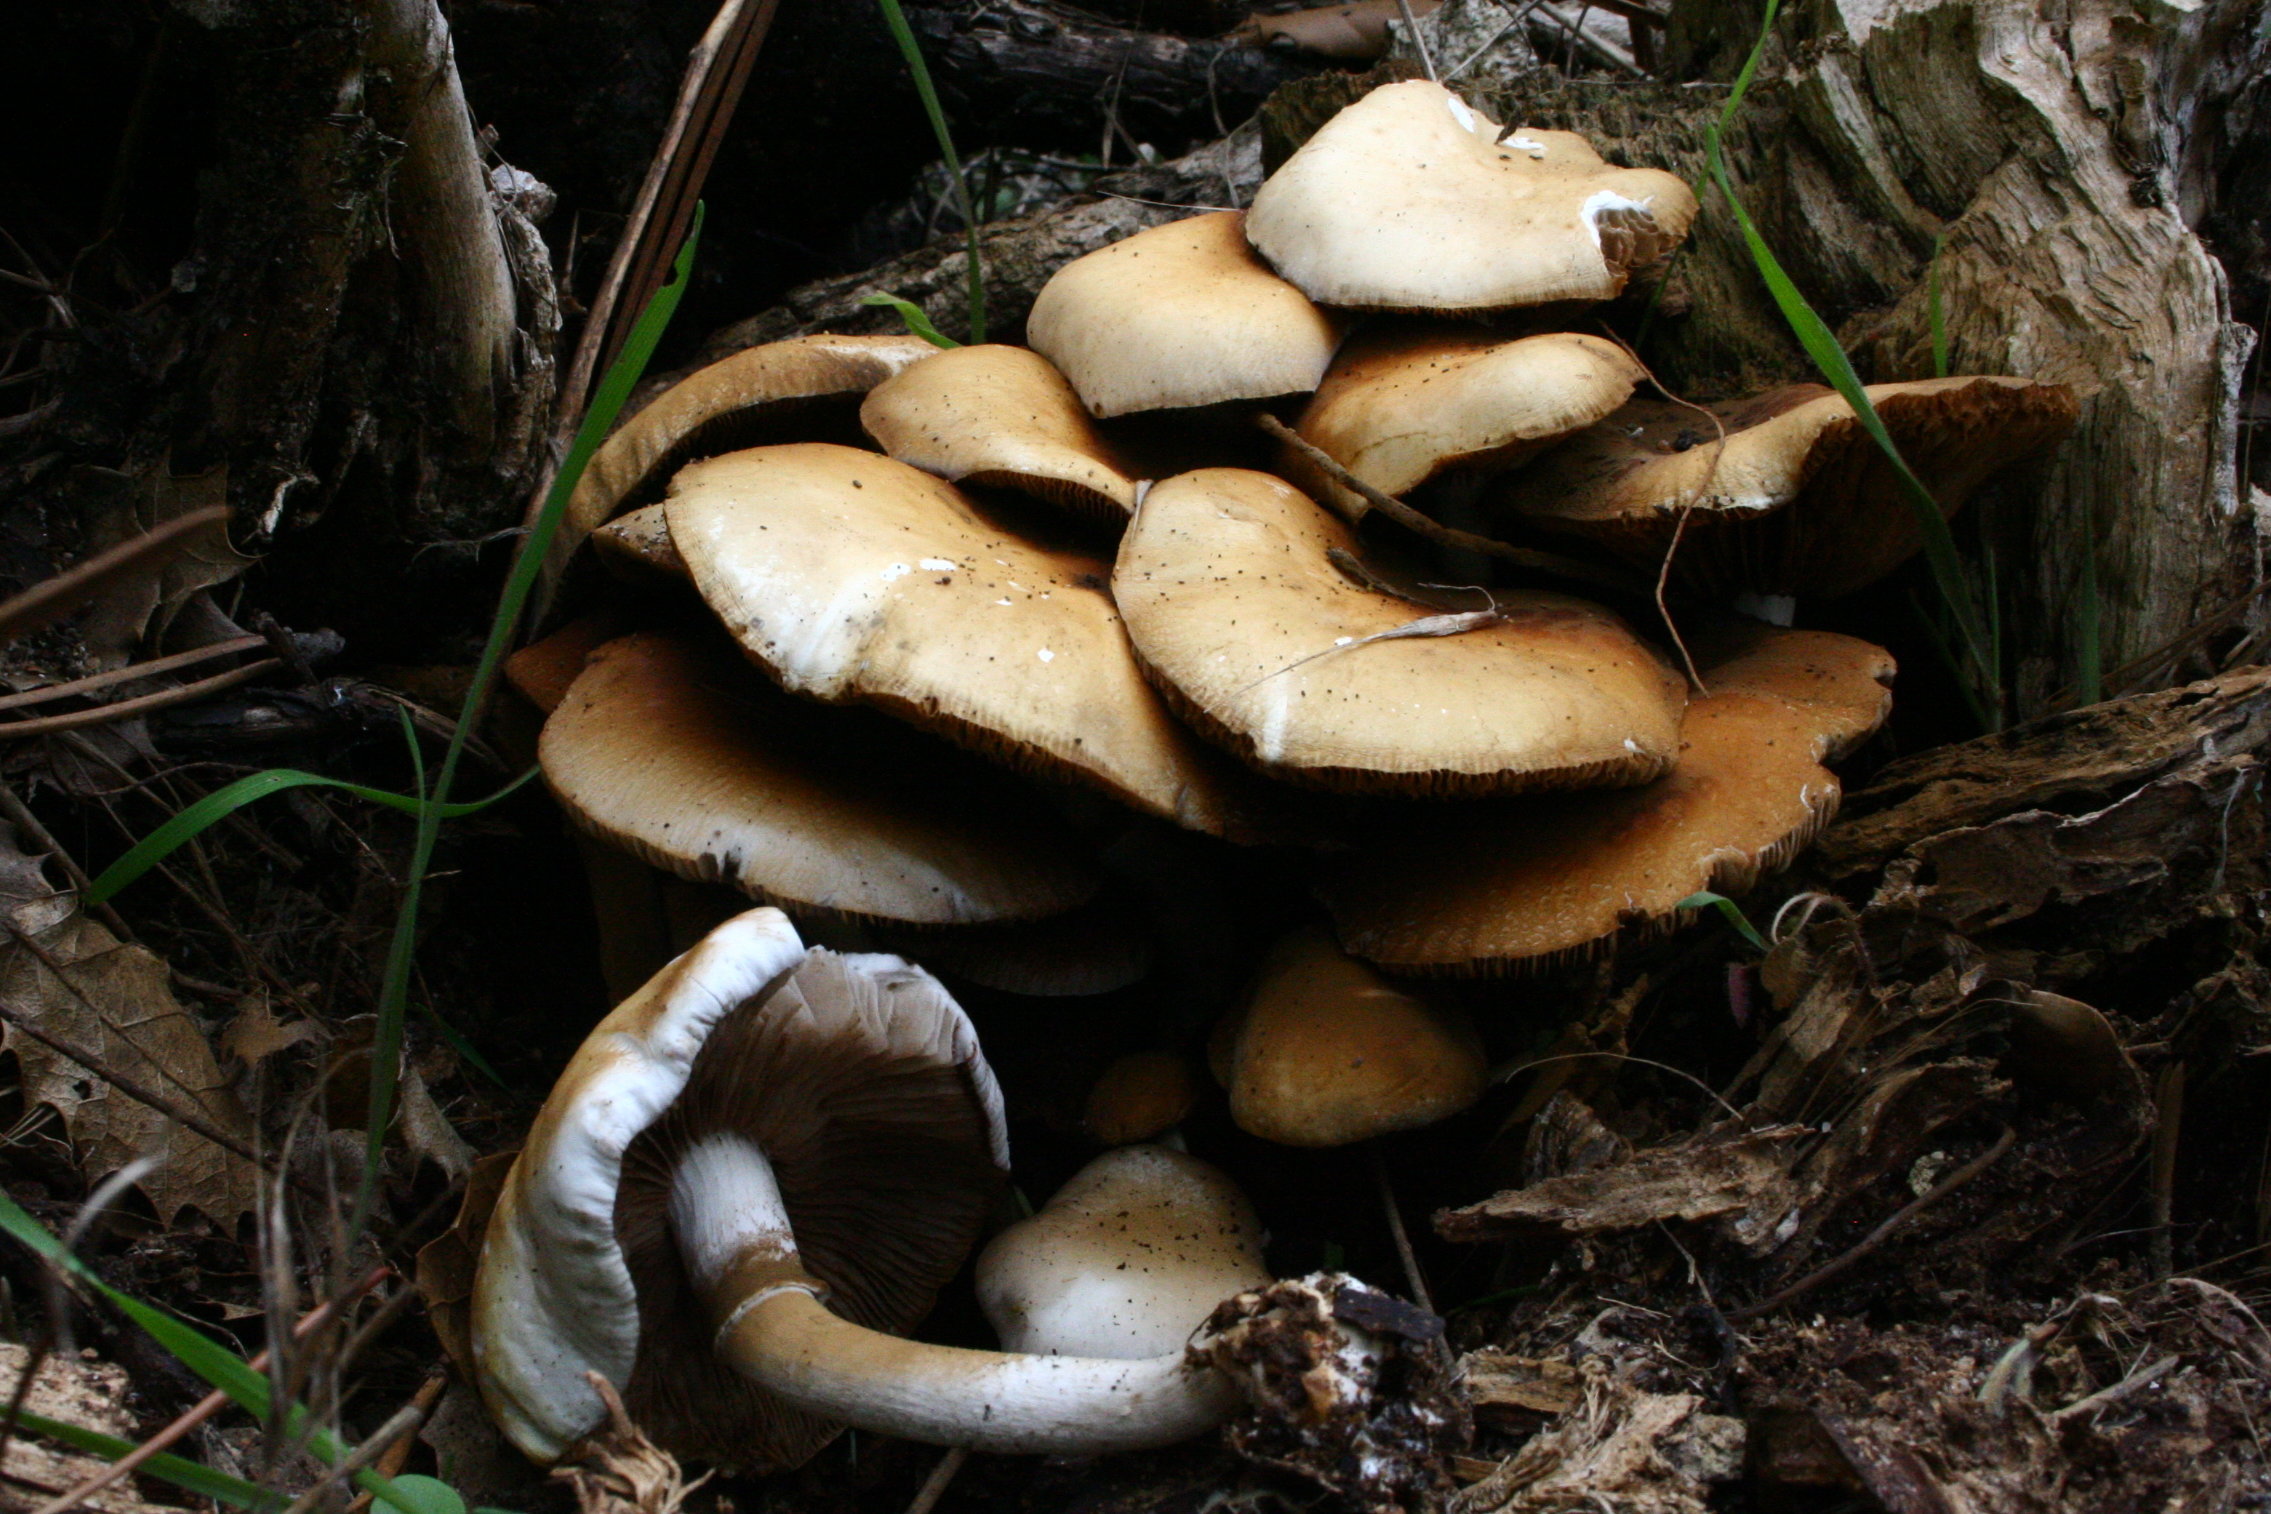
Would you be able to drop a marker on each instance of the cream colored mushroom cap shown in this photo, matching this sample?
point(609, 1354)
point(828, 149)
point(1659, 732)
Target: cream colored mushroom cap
point(1499, 886)
point(711, 408)
point(1240, 614)
point(638, 545)
point(692, 763)
point(1798, 498)
point(1002, 416)
point(1125, 1261)
point(1408, 200)
point(1328, 1052)
point(1398, 409)
point(850, 576)
point(1178, 315)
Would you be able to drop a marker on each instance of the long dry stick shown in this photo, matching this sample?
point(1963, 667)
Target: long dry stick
point(105, 714)
point(132, 671)
point(1449, 536)
point(1402, 1238)
point(211, 1404)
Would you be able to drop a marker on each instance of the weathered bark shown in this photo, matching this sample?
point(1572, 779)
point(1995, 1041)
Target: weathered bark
point(2053, 153)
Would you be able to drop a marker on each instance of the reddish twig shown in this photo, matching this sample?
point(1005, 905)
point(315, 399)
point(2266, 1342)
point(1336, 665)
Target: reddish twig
point(47, 725)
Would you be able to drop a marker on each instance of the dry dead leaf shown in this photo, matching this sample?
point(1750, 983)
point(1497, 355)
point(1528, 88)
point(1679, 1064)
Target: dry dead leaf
point(256, 1034)
point(89, 1394)
point(143, 605)
point(115, 1001)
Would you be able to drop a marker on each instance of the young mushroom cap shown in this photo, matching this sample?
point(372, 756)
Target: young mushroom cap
point(693, 763)
point(1126, 1261)
point(637, 546)
point(1409, 200)
point(862, 1083)
point(1000, 416)
point(1234, 600)
point(1800, 499)
point(1398, 408)
point(1141, 1095)
point(849, 576)
point(1328, 1052)
point(1179, 315)
point(759, 394)
point(1496, 887)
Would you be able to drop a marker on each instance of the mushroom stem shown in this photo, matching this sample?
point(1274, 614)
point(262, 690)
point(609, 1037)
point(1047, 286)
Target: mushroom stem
point(739, 1250)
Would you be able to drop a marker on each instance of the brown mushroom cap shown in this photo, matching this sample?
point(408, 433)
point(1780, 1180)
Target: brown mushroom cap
point(1179, 315)
point(638, 546)
point(1328, 1052)
point(1141, 1095)
point(1398, 408)
point(1096, 949)
point(850, 576)
point(1800, 500)
point(1493, 887)
point(1000, 416)
point(696, 765)
point(757, 395)
point(1410, 200)
point(1230, 596)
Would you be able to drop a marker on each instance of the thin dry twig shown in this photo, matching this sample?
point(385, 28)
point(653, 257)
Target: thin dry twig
point(1449, 536)
point(1396, 1231)
point(934, 1486)
point(1883, 1232)
point(105, 714)
point(156, 665)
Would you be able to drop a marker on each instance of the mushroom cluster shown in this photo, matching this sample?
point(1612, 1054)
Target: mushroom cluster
point(909, 643)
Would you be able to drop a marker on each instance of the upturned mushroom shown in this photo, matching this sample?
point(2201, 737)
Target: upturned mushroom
point(1176, 316)
point(1001, 417)
point(849, 576)
point(1783, 494)
point(1494, 887)
point(1411, 200)
point(689, 761)
point(753, 1170)
point(1239, 604)
point(1402, 406)
point(759, 394)
point(1126, 1261)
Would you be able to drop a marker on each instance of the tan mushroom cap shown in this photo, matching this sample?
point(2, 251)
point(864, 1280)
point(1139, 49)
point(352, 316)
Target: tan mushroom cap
point(1179, 315)
point(1799, 500)
point(1399, 408)
point(543, 671)
point(1141, 1095)
point(693, 763)
point(850, 576)
point(1096, 949)
point(1489, 888)
point(1409, 200)
point(1328, 1052)
point(638, 546)
point(1230, 596)
point(1000, 416)
point(734, 402)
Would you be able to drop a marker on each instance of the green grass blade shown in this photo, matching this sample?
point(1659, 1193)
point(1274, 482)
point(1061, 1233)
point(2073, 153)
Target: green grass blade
point(912, 314)
point(1730, 911)
point(904, 35)
point(182, 1473)
point(194, 820)
point(212, 1361)
point(1979, 678)
point(520, 582)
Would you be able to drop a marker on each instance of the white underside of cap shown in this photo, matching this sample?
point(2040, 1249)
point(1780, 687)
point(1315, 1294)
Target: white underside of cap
point(1601, 202)
point(554, 1298)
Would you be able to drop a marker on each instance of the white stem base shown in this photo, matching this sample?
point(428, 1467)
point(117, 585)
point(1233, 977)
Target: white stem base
point(725, 1207)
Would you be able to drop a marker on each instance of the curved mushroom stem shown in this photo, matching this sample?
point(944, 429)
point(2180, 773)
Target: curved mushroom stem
point(734, 1234)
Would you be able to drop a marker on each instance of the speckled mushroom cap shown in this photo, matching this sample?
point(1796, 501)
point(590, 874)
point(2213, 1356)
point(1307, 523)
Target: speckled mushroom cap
point(1179, 315)
point(747, 398)
point(693, 763)
point(1488, 888)
point(1400, 407)
point(863, 1084)
point(1327, 1052)
point(1240, 614)
point(1410, 200)
point(1127, 1259)
point(849, 576)
point(1799, 500)
point(637, 546)
point(1000, 416)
